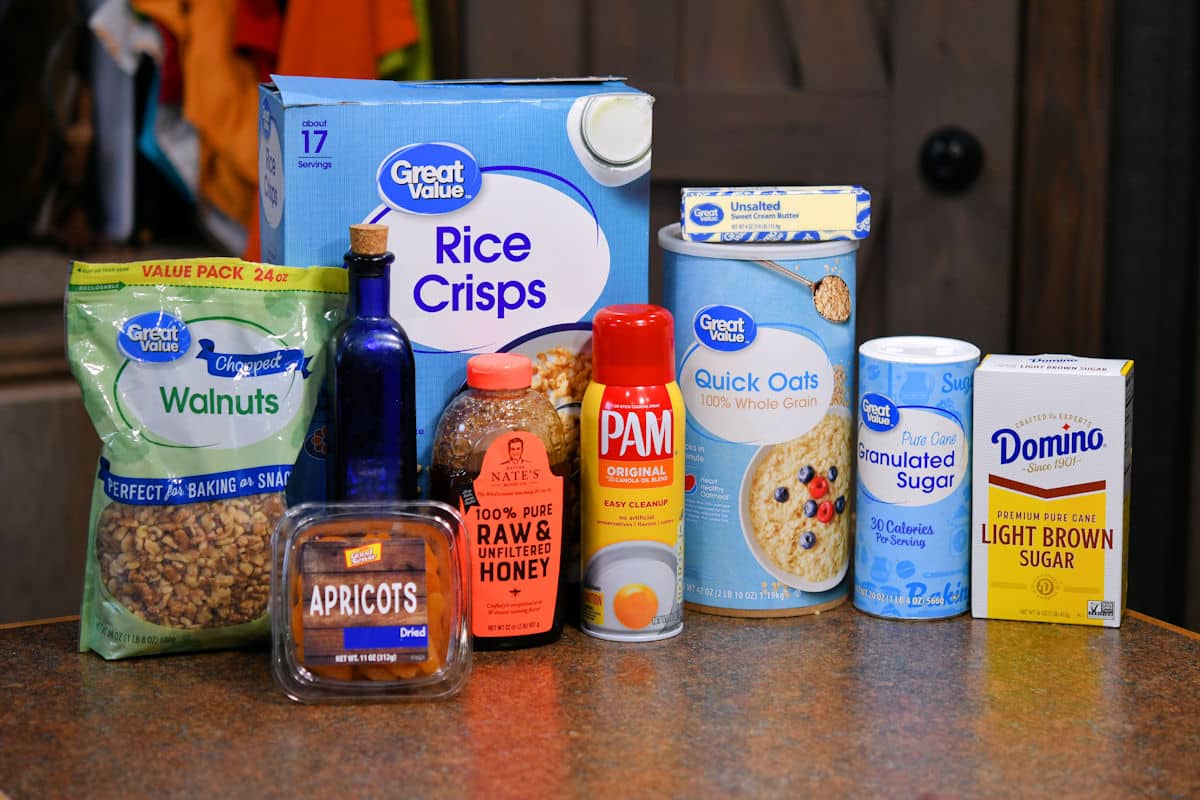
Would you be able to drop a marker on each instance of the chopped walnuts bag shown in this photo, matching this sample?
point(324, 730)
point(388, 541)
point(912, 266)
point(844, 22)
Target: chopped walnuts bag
point(200, 377)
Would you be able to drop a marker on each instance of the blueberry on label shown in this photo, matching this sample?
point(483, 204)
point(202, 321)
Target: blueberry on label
point(810, 508)
point(808, 539)
point(833, 474)
point(781, 494)
point(839, 505)
point(806, 474)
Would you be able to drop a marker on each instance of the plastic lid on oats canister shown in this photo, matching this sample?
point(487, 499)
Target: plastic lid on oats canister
point(633, 345)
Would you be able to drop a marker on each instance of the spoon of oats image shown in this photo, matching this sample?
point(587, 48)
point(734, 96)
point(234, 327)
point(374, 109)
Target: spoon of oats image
point(831, 295)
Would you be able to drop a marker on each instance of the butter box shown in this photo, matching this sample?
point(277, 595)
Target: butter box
point(775, 213)
point(1052, 456)
point(516, 210)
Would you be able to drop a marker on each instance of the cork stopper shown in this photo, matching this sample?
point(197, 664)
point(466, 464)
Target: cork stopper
point(368, 240)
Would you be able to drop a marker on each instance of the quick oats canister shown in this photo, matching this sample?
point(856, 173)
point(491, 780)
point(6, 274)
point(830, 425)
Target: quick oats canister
point(764, 341)
point(912, 553)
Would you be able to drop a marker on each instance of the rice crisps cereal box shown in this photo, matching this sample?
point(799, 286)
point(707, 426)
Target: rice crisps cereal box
point(516, 210)
point(1052, 459)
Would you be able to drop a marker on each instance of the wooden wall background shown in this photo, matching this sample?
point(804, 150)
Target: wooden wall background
point(1079, 236)
point(1151, 295)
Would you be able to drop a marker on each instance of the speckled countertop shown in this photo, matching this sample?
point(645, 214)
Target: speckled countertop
point(834, 705)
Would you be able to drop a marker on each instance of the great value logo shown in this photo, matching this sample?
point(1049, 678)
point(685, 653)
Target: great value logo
point(707, 214)
point(878, 412)
point(429, 178)
point(154, 337)
point(724, 328)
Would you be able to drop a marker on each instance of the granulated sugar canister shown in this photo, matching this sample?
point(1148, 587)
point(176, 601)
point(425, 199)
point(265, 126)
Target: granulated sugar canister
point(764, 341)
point(912, 558)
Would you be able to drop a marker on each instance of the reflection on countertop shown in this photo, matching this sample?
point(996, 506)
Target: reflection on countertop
point(835, 704)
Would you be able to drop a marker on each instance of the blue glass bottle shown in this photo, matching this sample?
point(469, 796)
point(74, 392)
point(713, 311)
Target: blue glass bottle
point(373, 415)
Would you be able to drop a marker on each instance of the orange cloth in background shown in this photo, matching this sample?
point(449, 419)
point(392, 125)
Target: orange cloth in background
point(344, 39)
point(220, 84)
point(220, 99)
point(257, 29)
point(337, 40)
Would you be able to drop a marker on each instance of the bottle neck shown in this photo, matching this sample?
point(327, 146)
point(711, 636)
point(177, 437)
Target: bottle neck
point(369, 295)
point(369, 284)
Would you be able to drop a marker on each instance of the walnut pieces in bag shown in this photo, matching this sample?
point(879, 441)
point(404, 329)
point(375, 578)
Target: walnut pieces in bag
point(200, 565)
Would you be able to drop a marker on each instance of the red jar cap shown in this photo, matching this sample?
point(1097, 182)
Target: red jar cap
point(633, 345)
point(499, 371)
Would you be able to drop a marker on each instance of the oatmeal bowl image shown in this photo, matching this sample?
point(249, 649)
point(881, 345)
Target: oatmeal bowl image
point(795, 505)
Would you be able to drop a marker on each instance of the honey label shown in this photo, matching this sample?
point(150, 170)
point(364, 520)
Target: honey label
point(514, 515)
point(364, 604)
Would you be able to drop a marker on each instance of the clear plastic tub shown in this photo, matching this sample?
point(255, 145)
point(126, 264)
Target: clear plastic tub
point(369, 602)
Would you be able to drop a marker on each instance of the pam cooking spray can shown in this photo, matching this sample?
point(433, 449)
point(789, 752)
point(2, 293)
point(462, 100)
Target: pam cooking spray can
point(631, 478)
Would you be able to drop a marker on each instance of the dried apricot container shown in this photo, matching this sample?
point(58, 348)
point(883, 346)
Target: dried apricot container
point(368, 602)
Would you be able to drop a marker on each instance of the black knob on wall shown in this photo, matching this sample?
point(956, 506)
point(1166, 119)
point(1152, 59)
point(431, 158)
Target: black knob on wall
point(951, 160)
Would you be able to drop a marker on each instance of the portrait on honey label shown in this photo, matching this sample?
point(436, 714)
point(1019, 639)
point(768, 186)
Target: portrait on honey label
point(201, 378)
